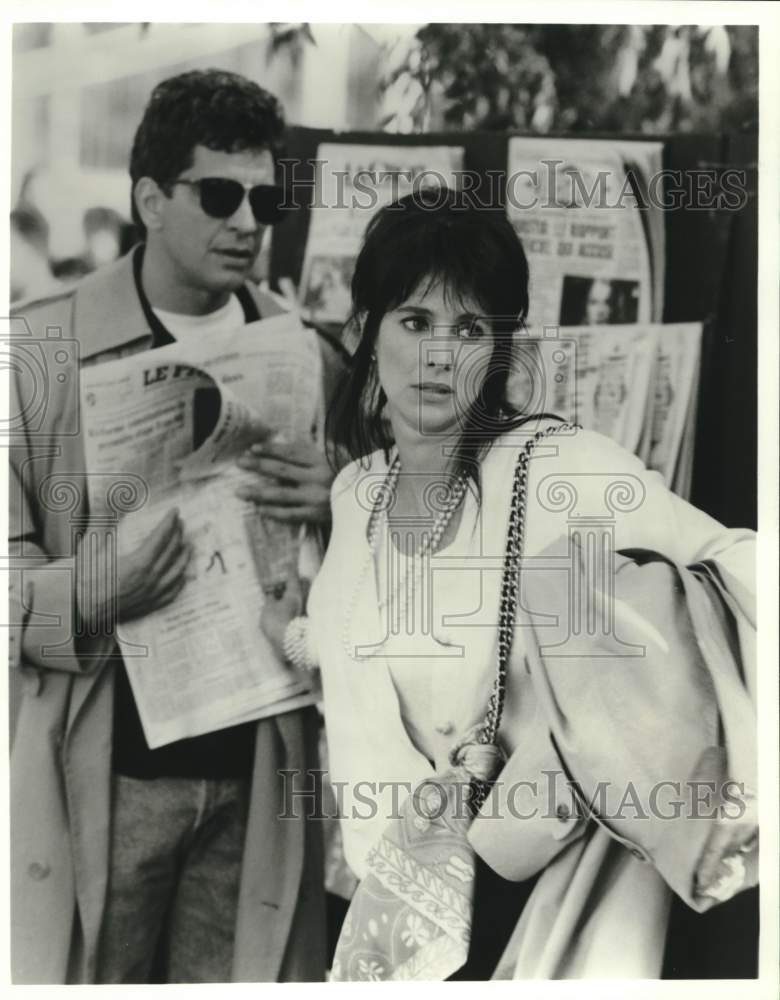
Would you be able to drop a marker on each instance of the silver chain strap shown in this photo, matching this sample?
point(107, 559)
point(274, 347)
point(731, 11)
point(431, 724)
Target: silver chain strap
point(510, 588)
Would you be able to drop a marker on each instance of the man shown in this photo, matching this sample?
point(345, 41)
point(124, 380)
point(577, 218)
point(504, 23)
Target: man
point(129, 863)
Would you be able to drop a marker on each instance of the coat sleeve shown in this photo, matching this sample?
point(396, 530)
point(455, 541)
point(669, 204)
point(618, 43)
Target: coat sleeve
point(319, 607)
point(643, 666)
point(595, 482)
point(42, 597)
point(43, 603)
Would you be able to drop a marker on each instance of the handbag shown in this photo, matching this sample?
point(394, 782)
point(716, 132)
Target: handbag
point(410, 917)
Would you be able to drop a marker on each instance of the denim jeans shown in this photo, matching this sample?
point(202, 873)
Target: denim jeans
point(174, 874)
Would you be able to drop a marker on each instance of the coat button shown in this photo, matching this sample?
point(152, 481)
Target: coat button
point(563, 813)
point(638, 854)
point(445, 728)
point(38, 871)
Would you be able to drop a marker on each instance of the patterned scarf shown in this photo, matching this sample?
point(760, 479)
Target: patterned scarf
point(410, 917)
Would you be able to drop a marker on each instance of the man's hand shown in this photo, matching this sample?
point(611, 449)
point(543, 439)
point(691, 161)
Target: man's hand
point(147, 579)
point(279, 611)
point(293, 483)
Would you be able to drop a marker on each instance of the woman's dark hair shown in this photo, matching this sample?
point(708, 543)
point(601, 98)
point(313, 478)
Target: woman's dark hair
point(212, 108)
point(429, 238)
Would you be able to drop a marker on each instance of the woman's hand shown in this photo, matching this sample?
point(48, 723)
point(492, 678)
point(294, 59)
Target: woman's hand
point(279, 611)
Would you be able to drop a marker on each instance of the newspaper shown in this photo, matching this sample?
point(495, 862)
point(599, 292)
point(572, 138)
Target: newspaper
point(354, 181)
point(675, 398)
point(636, 384)
point(598, 377)
point(643, 164)
point(595, 256)
point(178, 418)
point(683, 470)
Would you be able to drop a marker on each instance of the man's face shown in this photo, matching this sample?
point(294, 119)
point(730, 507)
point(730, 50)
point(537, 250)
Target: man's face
point(207, 254)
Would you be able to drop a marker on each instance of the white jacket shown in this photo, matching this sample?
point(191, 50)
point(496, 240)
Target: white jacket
point(582, 489)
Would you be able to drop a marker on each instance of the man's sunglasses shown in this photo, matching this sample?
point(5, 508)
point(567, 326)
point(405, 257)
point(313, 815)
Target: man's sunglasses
point(220, 197)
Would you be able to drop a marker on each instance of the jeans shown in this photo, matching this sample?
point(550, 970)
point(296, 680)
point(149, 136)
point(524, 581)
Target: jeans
point(174, 874)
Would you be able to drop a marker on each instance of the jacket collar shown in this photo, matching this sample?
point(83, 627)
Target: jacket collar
point(111, 308)
point(107, 310)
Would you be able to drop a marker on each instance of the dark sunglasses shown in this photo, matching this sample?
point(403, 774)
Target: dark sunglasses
point(220, 197)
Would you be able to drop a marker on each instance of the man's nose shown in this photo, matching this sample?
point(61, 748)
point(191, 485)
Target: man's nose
point(243, 219)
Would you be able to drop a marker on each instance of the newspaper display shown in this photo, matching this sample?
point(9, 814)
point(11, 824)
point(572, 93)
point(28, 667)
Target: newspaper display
point(598, 377)
point(590, 217)
point(674, 408)
point(635, 384)
point(595, 256)
point(178, 418)
point(354, 181)
point(643, 163)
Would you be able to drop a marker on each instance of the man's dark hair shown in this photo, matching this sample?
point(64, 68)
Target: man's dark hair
point(212, 108)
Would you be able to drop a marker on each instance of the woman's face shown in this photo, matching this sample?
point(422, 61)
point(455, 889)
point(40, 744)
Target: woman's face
point(432, 357)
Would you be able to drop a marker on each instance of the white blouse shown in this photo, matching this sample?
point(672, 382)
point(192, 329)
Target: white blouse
point(405, 590)
point(397, 699)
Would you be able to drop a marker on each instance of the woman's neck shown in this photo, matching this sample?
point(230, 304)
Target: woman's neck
point(424, 455)
point(425, 461)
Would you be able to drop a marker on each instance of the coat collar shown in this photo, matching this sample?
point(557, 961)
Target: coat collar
point(111, 310)
point(107, 310)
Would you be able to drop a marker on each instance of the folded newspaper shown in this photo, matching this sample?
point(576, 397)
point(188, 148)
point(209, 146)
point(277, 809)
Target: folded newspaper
point(177, 418)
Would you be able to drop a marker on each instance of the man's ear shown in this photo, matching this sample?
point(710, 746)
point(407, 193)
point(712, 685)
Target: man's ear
point(149, 200)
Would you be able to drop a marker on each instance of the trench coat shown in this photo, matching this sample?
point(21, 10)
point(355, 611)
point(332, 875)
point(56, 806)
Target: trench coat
point(62, 689)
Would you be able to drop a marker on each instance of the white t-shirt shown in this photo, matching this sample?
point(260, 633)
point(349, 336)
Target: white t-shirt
point(223, 320)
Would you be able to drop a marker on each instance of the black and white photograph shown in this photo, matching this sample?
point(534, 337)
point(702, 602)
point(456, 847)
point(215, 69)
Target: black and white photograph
point(392, 437)
point(595, 301)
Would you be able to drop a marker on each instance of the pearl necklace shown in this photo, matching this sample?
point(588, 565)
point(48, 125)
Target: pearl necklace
point(378, 520)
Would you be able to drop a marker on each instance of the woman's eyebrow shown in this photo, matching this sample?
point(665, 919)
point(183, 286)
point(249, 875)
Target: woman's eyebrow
point(412, 308)
point(469, 316)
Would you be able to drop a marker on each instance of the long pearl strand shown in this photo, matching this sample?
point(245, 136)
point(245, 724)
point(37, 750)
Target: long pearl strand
point(378, 520)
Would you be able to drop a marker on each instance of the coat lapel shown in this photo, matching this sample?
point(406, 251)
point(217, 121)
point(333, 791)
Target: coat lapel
point(368, 633)
point(107, 313)
point(106, 316)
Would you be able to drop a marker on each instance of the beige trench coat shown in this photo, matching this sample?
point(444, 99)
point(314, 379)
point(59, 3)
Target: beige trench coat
point(62, 700)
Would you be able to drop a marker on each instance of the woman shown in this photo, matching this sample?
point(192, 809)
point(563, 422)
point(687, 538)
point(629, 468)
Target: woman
point(402, 620)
